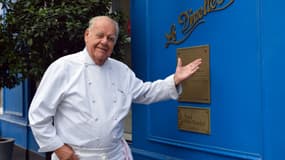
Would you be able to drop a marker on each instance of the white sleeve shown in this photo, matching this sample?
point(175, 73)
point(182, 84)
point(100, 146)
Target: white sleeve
point(150, 92)
point(43, 107)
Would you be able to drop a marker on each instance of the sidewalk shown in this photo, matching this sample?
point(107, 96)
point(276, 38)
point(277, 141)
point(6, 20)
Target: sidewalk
point(20, 154)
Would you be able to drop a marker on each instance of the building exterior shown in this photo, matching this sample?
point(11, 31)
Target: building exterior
point(241, 115)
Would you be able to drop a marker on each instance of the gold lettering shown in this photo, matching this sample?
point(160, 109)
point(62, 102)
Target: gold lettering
point(190, 20)
point(171, 37)
point(183, 19)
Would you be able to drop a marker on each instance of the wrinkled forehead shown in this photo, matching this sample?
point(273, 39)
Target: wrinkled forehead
point(102, 28)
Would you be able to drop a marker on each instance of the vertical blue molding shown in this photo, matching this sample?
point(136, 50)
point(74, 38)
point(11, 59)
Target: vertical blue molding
point(273, 34)
point(140, 64)
point(261, 64)
point(139, 38)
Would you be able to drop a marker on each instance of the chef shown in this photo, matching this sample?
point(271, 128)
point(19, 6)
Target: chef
point(78, 109)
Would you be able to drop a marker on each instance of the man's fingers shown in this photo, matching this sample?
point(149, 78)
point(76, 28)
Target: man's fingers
point(179, 62)
point(196, 63)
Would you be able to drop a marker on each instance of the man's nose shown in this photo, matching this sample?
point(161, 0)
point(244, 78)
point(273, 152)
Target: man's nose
point(104, 40)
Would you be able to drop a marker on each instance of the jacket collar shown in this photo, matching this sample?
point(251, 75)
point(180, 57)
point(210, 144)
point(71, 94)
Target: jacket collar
point(89, 61)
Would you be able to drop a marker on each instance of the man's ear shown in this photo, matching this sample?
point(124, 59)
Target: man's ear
point(86, 33)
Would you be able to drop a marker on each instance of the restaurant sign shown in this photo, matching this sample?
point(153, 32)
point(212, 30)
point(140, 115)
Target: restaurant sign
point(191, 19)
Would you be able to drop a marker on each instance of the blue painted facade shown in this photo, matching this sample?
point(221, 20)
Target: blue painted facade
point(14, 120)
point(246, 57)
point(246, 42)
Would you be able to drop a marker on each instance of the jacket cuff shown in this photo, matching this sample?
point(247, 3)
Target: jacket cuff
point(175, 90)
point(52, 145)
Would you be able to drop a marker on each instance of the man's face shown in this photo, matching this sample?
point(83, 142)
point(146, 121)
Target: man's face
point(100, 40)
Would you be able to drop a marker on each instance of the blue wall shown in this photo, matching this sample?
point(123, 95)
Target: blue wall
point(246, 58)
point(14, 120)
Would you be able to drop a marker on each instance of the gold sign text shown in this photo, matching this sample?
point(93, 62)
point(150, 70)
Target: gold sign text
point(194, 119)
point(191, 19)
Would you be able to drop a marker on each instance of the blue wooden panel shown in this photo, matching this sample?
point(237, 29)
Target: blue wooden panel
point(14, 100)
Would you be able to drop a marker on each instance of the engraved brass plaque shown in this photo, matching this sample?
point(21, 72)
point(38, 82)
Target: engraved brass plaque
point(197, 87)
point(194, 119)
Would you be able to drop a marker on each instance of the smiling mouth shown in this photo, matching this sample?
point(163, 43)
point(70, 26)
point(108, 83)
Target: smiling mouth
point(102, 49)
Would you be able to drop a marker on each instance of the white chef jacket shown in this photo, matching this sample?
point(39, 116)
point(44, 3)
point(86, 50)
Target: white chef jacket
point(82, 104)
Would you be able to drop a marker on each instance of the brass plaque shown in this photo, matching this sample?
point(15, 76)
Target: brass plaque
point(194, 119)
point(197, 87)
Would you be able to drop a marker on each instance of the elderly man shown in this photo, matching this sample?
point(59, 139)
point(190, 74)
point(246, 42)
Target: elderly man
point(79, 106)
